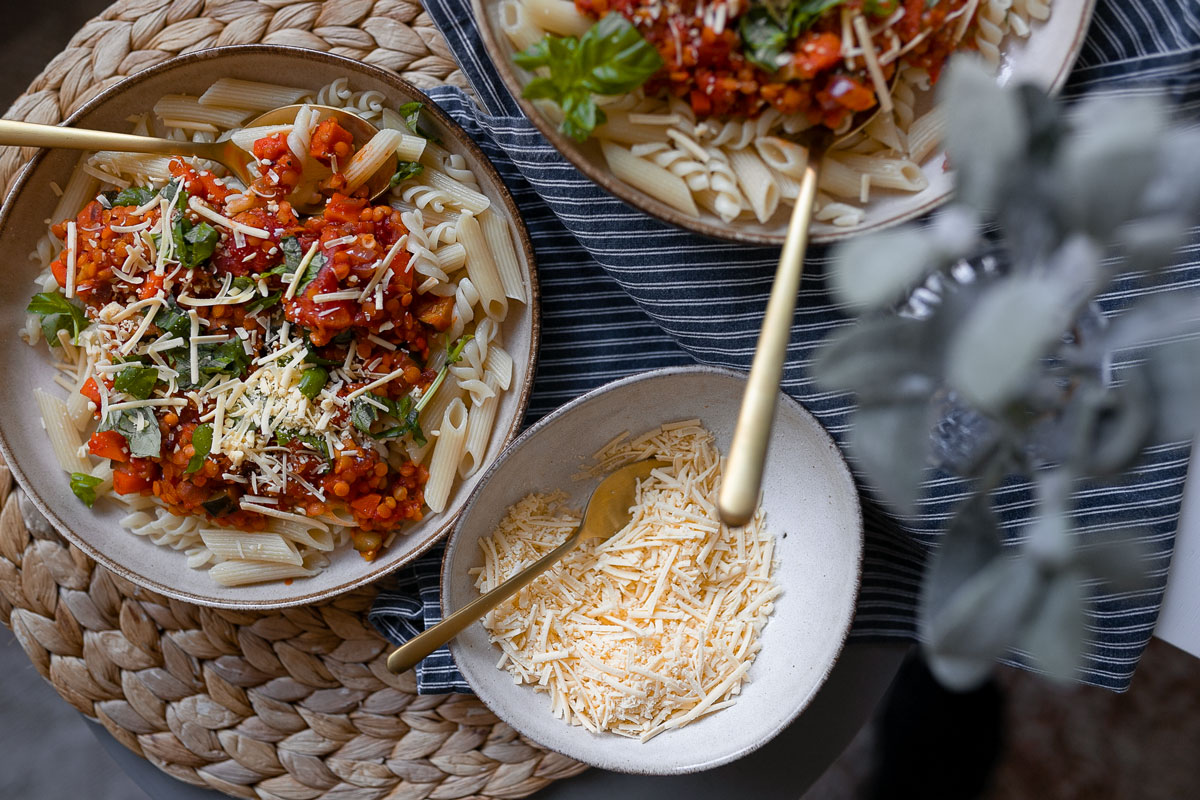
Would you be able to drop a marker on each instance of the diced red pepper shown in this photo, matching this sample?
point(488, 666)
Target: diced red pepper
point(152, 286)
point(331, 139)
point(110, 445)
point(128, 483)
point(91, 391)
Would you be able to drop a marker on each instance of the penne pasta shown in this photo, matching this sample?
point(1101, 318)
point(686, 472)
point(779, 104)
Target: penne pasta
point(373, 155)
point(757, 182)
point(479, 431)
point(650, 178)
point(182, 108)
point(235, 93)
point(64, 438)
point(557, 16)
point(259, 546)
point(499, 243)
point(447, 452)
point(516, 24)
point(481, 267)
point(241, 573)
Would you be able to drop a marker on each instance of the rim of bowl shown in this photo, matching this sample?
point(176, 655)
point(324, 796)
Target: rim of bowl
point(703, 225)
point(561, 411)
point(396, 82)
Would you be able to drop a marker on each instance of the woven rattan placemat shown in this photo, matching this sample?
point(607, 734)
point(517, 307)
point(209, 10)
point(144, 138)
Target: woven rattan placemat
point(293, 704)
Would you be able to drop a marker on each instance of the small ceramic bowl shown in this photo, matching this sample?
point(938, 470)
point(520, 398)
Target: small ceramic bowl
point(812, 509)
point(97, 531)
point(1044, 58)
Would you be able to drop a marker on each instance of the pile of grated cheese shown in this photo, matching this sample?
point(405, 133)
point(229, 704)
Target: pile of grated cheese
point(653, 628)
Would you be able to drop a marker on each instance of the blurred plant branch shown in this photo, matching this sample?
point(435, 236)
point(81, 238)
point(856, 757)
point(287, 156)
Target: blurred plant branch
point(1079, 195)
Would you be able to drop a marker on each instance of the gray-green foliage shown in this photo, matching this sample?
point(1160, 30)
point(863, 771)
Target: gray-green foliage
point(1079, 195)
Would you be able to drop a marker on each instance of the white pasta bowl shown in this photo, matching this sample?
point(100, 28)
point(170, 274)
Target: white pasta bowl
point(812, 510)
point(24, 443)
point(1043, 57)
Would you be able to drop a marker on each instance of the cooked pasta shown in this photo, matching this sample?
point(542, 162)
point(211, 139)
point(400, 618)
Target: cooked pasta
point(709, 128)
point(259, 387)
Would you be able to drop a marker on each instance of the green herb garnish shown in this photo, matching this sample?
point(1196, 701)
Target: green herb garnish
point(58, 313)
point(202, 444)
point(139, 426)
point(84, 487)
point(313, 381)
point(284, 436)
point(137, 382)
point(133, 196)
point(228, 357)
point(406, 170)
point(610, 58)
point(412, 118)
point(768, 27)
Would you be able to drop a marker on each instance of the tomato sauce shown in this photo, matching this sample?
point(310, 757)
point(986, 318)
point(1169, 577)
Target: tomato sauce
point(390, 328)
point(707, 67)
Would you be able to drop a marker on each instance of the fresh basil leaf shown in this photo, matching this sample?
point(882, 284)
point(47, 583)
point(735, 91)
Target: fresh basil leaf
point(174, 320)
point(84, 487)
point(404, 412)
point(293, 254)
point(881, 8)
point(137, 382)
point(139, 426)
point(133, 196)
point(768, 28)
point(261, 303)
point(363, 413)
point(202, 436)
point(284, 436)
point(312, 381)
point(406, 170)
point(212, 358)
point(58, 313)
point(172, 194)
point(314, 269)
point(412, 118)
point(201, 241)
point(610, 58)
point(220, 504)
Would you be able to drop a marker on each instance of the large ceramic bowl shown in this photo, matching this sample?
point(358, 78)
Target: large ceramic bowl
point(23, 442)
point(1043, 58)
point(811, 507)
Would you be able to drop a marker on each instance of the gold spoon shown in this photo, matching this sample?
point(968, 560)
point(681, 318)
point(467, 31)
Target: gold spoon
point(748, 451)
point(28, 134)
point(606, 513)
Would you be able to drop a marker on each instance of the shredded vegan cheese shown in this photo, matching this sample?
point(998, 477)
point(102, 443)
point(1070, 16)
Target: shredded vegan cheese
point(652, 628)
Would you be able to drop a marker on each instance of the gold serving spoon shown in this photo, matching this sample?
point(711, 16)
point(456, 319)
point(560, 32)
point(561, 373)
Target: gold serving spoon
point(748, 451)
point(28, 134)
point(606, 513)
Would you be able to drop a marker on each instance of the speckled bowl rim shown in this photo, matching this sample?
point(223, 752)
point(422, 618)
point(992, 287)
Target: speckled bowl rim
point(704, 226)
point(498, 465)
point(448, 520)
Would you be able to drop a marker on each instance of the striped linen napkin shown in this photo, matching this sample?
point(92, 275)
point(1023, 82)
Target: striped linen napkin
point(623, 293)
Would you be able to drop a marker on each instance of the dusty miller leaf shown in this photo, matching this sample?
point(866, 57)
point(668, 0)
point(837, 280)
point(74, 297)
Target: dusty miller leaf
point(1117, 557)
point(993, 358)
point(1174, 379)
point(1056, 636)
point(891, 442)
point(1111, 425)
point(970, 543)
point(1108, 161)
point(879, 356)
point(1048, 540)
point(875, 271)
point(985, 131)
point(980, 621)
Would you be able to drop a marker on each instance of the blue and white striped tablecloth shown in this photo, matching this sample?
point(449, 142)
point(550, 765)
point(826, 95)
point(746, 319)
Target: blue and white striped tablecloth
point(623, 293)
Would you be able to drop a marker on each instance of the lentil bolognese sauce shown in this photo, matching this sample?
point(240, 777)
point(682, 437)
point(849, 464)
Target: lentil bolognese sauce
point(270, 372)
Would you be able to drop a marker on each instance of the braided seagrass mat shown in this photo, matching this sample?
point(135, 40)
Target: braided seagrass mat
point(293, 704)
